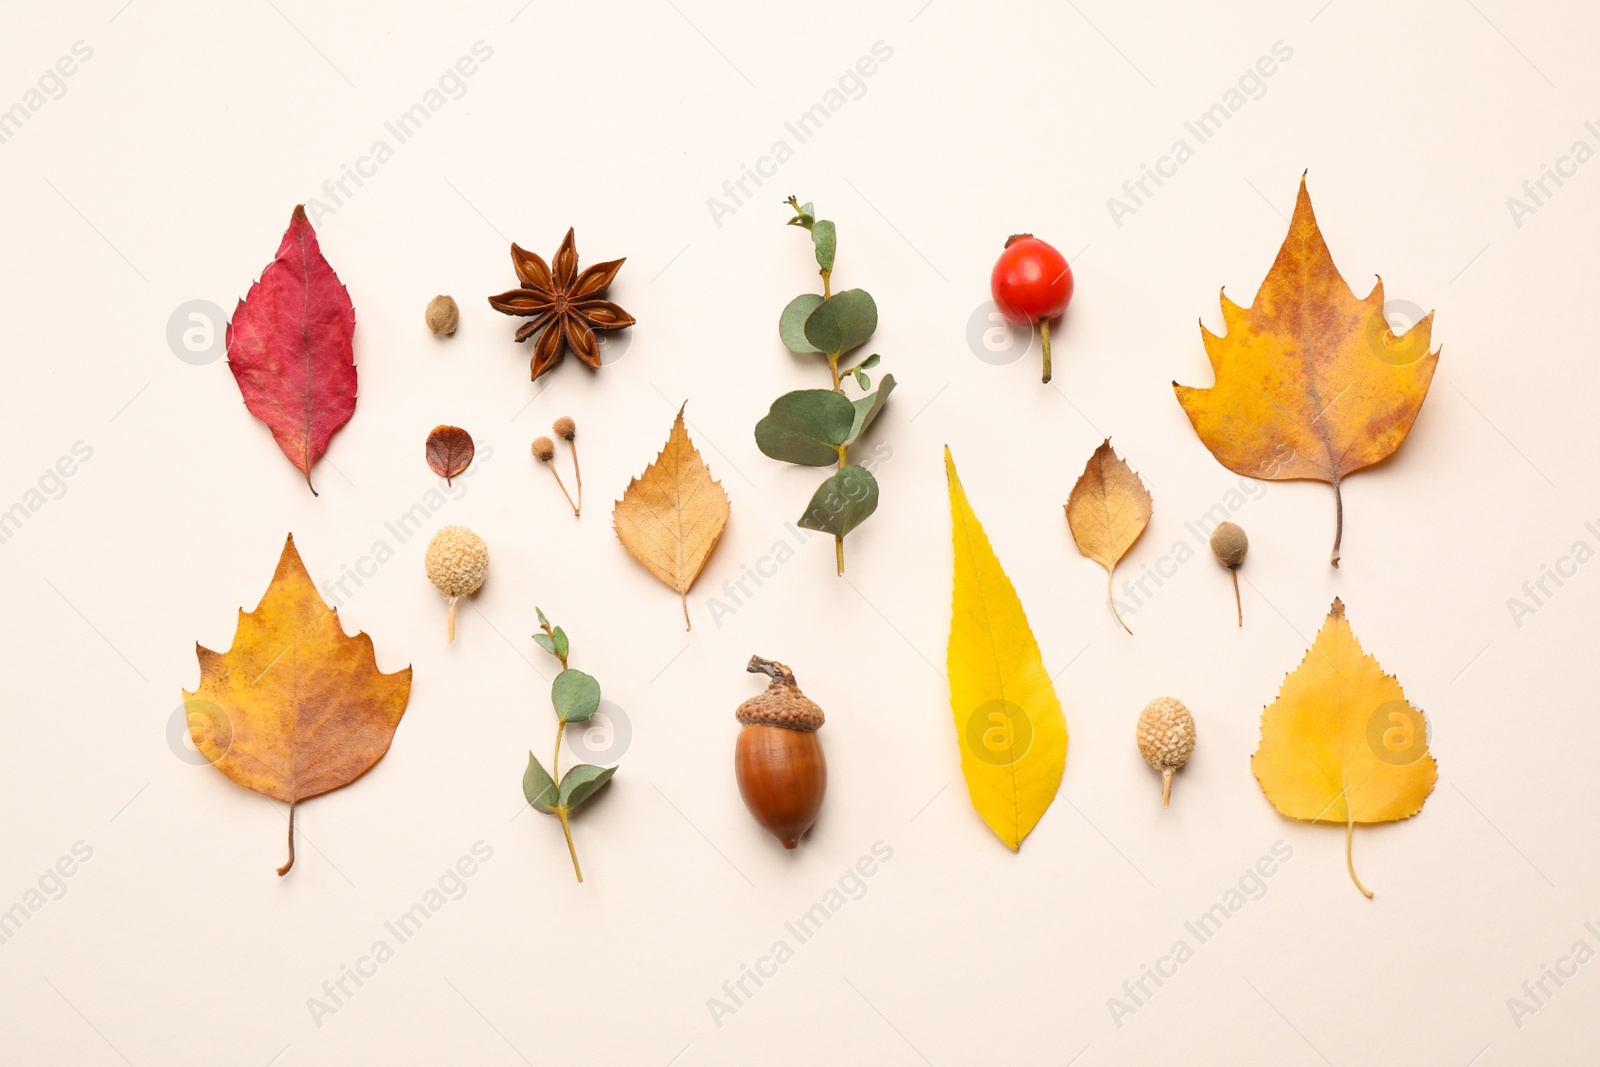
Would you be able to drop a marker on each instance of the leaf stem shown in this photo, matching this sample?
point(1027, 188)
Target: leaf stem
point(1349, 837)
point(285, 868)
point(561, 813)
point(844, 450)
point(1338, 519)
point(1112, 600)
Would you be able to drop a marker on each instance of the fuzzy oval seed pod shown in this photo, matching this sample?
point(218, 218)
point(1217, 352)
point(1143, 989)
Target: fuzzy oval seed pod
point(443, 316)
point(1166, 739)
point(1229, 544)
point(457, 562)
point(778, 758)
point(544, 449)
point(565, 428)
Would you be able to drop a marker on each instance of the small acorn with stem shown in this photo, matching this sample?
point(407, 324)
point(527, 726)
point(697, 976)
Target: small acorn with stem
point(778, 759)
point(1166, 740)
point(1229, 544)
point(457, 561)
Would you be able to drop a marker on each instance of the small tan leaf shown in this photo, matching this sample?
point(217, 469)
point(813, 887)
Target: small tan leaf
point(672, 515)
point(1107, 511)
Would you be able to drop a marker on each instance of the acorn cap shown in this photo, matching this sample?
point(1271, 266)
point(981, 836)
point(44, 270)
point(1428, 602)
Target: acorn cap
point(781, 703)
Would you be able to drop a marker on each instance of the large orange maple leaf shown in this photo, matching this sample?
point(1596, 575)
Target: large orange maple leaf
point(1311, 381)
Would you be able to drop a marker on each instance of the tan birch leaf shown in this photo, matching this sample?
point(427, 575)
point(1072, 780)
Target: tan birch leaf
point(1107, 511)
point(672, 515)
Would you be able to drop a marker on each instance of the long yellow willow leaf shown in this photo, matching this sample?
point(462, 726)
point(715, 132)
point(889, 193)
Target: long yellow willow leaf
point(1012, 734)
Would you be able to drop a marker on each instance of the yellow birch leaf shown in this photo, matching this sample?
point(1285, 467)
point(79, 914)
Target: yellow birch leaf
point(1341, 743)
point(1012, 734)
point(1311, 381)
point(1108, 509)
point(672, 515)
point(295, 708)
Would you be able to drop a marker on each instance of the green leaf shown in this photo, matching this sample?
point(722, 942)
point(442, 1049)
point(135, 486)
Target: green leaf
point(544, 641)
point(862, 380)
point(542, 620)
point(826, 240)
point(867, 408)
point(842, 321)
point(581, 782)
point(843, 502)
point(538, 787)
point(792, 323)
point(806, 427)
point(560, 639)
point(575, 695)
point(868, 363)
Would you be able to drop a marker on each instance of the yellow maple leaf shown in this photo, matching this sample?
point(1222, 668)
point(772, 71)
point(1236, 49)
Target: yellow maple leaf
point(1341, 743)
point(672, 515)
point(1311, 381)
point(296, 708)
point(1012, 734)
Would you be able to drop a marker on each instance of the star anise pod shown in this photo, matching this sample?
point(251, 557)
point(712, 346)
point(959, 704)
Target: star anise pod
point(563, 304)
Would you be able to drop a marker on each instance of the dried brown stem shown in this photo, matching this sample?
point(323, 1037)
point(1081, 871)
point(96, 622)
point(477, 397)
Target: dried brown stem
point(285, 868)
point(557, 476)
point(1238, 605)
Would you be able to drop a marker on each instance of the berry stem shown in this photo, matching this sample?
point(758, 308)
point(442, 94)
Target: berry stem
point(1044, 333)
point(1238, 606)
point(450, 621)
point(1166, 787)
point(557, 476)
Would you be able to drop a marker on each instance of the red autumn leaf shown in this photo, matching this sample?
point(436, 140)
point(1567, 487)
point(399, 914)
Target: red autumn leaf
point(289, 348)
point(449, 451)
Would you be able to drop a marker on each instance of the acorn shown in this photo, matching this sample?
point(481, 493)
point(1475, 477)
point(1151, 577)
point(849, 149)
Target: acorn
point(1166, 739)
point(778, 759)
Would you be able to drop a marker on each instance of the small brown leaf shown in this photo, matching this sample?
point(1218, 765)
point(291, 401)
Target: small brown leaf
point(1107, 511)
point(672, 515)
point(449, 451)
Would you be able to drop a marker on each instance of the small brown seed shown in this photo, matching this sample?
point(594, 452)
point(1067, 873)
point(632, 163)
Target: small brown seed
point(443, 316)
point(565, 428)
point(544, 449)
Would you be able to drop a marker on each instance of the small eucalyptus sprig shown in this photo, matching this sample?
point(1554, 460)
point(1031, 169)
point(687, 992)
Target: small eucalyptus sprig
point(816, 427)
point(576, 697)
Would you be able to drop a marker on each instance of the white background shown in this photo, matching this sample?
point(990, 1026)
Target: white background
point(167, 172)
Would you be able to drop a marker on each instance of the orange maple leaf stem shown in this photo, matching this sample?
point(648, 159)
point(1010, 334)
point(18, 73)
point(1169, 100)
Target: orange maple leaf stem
point(684, 599)
point(285, 868)
point(1349, 839)
point(1044, 333)
point(1338, 519)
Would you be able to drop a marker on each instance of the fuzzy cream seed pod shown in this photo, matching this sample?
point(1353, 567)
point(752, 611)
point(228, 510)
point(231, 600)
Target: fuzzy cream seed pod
point(442, 316)
point(457, 562)
point(1166, 739)
point(565, 428)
